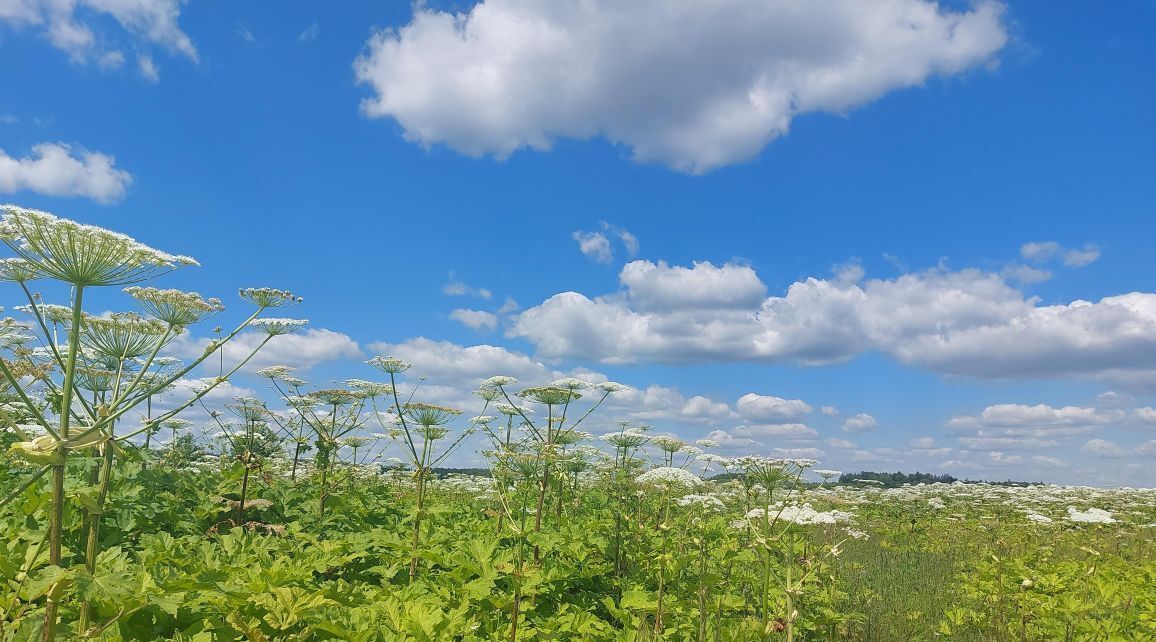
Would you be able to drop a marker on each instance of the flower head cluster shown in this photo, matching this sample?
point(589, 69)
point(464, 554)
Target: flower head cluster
point(704, 502)
point(277, 326)
point(550, 395)
point(1090, 516)
point(513, 411)
point(804, 514)
point(499, 381)
point(175, 307)
point(667, 443)
point(124, 335)
point(83, 255)
point(18, 270)
point(269, 297)
point(667, 477)
point(391, 365)
point(369, 388)
point(428, 414)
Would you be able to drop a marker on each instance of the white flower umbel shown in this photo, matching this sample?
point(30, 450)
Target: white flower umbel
point(276, 326)
point(83, 255)
point(669, 477)
point(1090, 516)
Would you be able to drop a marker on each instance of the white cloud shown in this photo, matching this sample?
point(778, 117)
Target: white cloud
point(967, 322)
point(57, 169)
point(798, 453)
point(1025, 273)
point(1145, 415)
point(771, 409)
point(594, 245)
point(8, 119)
point(830, 411)
point(842, 444)
point(449, 364)
point(246, 34)
point(1146, 448)
point(727, 441)
point(1039, 250)
point(694, 85)
point(510, 305)
point(148, 68)
point(111, 60)
point(861, 422)
point(458, 288)
point(310, 33)
point(1080, 258)
point(779, 431)
point(662, 287)
point(301, 350)
point(72, 26)
point(1112, 399)
point(1011, 415)
point(923, 442)
point(655, 403)
point(460, 369)
point(476, 319)
point(1103, 448)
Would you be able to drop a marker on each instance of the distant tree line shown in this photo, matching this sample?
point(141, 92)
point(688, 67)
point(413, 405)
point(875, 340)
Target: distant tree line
point(898, 478)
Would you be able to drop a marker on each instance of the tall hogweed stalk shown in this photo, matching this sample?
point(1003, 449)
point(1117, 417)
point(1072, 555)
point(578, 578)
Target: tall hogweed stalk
point(49, 364)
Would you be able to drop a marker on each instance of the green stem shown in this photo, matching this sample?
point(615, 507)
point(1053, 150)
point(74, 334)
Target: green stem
point(56, 516)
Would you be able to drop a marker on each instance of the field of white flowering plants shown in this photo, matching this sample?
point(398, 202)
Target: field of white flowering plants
point(319, 513)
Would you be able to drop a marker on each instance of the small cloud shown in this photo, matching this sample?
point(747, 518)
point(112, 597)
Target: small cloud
point(111, 60)
point(1103, 448)
point(594, 245)
point(148, 68)
point(830, 411)
point(861, 422)
point(458, 288)
point(1025, 273)
point(310, 33)
point(8, 119)
point(1112, 399)
point(476, 319)
point(509, 306)
point(629, 241)
point(1039, 250)
point(842, 444)
point(1080, 258)
point(1147, 448)
point(1044, 460)
point(245, 34)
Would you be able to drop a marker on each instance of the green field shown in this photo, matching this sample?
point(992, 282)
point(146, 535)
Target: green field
point(141, 502)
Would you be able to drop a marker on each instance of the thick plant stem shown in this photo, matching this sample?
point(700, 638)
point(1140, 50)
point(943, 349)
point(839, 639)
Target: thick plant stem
point(244, 489)
point(56, 517)
point(538, 512)
point(790, 594)
point(417, 524)
point(702, 613)
point(92, 547)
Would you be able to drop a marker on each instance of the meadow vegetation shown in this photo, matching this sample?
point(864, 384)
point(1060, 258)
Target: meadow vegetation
point(315, 513)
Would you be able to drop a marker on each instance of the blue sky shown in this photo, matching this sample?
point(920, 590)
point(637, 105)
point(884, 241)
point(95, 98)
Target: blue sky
point(371, 156)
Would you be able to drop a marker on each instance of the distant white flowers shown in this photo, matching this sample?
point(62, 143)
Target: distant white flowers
point(667, 477)
point(1090, 516)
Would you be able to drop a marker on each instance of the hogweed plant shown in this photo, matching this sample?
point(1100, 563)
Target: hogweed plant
point(88, 372)
point(420, 429)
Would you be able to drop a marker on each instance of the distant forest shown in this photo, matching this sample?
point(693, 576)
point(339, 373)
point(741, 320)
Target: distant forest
point(897, 479)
